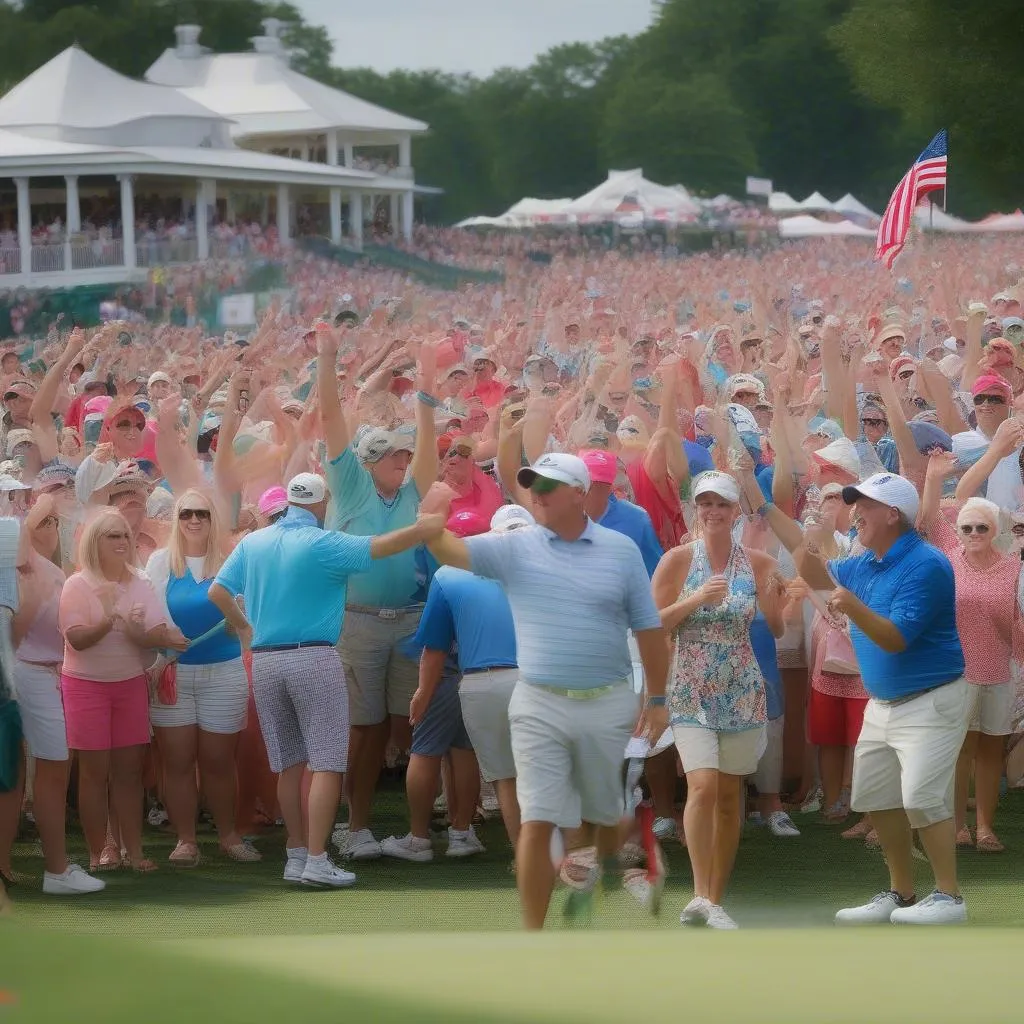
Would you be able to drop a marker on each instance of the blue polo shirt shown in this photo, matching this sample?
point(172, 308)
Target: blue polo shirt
point(912, 586)
point(293, 576)
point(357, 509)
point(631, 520)
point(472, 614)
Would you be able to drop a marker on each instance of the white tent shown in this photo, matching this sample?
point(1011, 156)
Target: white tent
point(783, 202)
point(850, 206)
point(486, 222)
point(1002, 222)
point(936, 219)
point(528, 211)
point(817, 203)
point(629, 192)
point(805, 226)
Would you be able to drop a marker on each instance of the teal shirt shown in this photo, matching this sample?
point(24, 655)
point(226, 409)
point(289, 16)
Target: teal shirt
point(357, 509)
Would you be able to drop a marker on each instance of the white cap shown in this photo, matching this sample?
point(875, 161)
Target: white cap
point(895, 491)
point(712, 481)
point(373, 443)
point(511, 517)
point(10, 483)
point(306, 489)
point(842, 453)
point(159, 377)
point(565, 469)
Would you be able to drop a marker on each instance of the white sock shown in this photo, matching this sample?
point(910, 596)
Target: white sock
point(297, 853)
point(318, 859)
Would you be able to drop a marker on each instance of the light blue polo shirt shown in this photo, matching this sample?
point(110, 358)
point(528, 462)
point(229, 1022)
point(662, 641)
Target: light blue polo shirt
point(573, 602)
point(633, 522)
point(912, 586)
point(357, 509)
point(471, 613)
point(293, 576)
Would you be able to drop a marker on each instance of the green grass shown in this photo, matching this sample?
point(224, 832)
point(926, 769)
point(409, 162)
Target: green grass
point(426, 942)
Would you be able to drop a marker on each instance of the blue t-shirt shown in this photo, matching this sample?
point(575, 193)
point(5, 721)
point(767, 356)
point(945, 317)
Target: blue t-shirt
point(294, 576)
point(912, 586)
point(765, 652)
point(631, 520)
point(472, 614)
point(195, 614)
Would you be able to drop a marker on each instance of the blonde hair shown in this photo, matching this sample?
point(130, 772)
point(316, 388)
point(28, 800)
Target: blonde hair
point(95, 527)
point(214, 557)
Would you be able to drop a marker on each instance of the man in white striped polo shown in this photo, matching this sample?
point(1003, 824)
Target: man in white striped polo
point(576, 590)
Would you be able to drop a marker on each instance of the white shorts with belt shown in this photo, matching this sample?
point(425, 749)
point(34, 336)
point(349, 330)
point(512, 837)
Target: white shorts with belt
point(907, 751)
point(568, 751)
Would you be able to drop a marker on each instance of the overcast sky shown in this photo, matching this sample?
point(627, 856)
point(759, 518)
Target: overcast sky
point(466, 35)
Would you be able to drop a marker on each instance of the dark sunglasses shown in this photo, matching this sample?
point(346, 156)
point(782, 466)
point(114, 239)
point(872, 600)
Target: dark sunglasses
point(979, 528)
point(542, 485)
point(905, 374)
point(202, 514)
point(1018, 530)
point(871, 421)
point(458, 452)
point(49, 521)
point(128, 425)
point(980, 400)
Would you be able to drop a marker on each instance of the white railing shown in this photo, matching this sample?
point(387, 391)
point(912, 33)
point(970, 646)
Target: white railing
point(47, 259)
point(10, 261)
point(102, 252)
point(159, 252)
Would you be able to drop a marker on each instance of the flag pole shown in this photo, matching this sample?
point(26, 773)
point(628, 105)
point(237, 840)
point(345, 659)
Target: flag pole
point(945, 184)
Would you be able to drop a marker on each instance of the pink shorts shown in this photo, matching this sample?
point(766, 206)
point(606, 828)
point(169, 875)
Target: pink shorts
point(106, 716)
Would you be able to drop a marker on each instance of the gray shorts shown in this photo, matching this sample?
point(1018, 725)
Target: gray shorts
point(442, 727)
point(302, 705)
point(381, 679)
point(485, 698)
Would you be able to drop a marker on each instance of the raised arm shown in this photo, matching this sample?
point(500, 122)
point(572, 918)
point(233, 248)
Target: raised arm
point(424, 465)
point(1009, 436)
point(334, 425)
point(972, 349)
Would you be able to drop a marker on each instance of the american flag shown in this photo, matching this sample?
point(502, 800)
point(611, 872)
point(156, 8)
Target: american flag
point(927, 174)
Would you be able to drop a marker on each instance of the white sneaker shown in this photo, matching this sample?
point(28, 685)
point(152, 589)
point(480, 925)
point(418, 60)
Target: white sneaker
point(696, 912)
point(322, 873)
point(72, 881)
point(295, 864)
point(463, 844)
point(938, 908)
point(409, 847)
point(720, 920)
point(878, 911)
point(665, 828)
point(358, 845)
point(781, 824)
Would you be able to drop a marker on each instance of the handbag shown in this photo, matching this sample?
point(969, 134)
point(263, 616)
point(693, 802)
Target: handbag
point(839, 658)
point(10, 745)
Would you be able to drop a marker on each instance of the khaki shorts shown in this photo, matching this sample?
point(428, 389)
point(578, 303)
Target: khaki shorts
point(906, 754)
point(485, 698)
point(381, 679)
point(569, 753)
point(990, 708)
point(731, 753)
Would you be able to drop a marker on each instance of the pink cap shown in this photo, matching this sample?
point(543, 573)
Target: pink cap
point(601, 465)
point(98, 404)
point(992, 382)
point(272, 501)
point(468, 524)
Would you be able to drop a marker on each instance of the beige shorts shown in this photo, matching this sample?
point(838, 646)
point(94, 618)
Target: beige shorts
point(569, 753)
point(731, 753)
point(485, 698)
point(381, 679)
point(906, 755)
point(990, 708)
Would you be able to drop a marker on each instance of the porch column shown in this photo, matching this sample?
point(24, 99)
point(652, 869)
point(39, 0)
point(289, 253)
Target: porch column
point(350, 156)
point(355, 215)
point(304, 152)
point(336, 215)
point(73, 218)
point(205, 191)
point(128, 220)
point(24, 224)
point(332, 147)
point(405, 151)
point(393, 213)
point(284, 214)
point(408, 214)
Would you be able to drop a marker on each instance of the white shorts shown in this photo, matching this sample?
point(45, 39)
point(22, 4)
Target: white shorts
point(568, 753)
point(214, 697)
point(990, 708)
point(768, 777)
point(731, 753)
point(485, 697)
point(906, 755)
point(42, 711)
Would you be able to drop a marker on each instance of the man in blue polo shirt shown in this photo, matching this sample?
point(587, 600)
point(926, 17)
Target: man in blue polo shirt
point(899, 598)
point(293, 578)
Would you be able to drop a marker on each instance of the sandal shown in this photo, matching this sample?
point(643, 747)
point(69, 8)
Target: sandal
point(988, 843)
point(243, 852)
point(185, 855)
point(141, 867)
point(859, 831)
point(871, 841)
point(963, 837)
point(110, 859)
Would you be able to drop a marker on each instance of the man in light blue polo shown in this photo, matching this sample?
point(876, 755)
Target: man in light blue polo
point(293, 578)
point(899, 598)
point(576, 589)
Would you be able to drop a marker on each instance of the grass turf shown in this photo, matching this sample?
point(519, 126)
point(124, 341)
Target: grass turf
point(426, 942)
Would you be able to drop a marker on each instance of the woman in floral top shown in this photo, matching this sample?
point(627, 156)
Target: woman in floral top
point(708, 593)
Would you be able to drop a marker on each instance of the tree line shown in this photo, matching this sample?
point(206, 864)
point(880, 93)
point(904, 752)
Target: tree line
point(834, 95)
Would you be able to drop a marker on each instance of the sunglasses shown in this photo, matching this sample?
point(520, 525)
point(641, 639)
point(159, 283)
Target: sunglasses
point(49, 521)
point(128, 425)
point(542, 485)
point(871, 421)
point(905, 374)
point(979, 528)
point(202, 514)
point(980, 400)
point(1018, 530)
point(458, 452)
